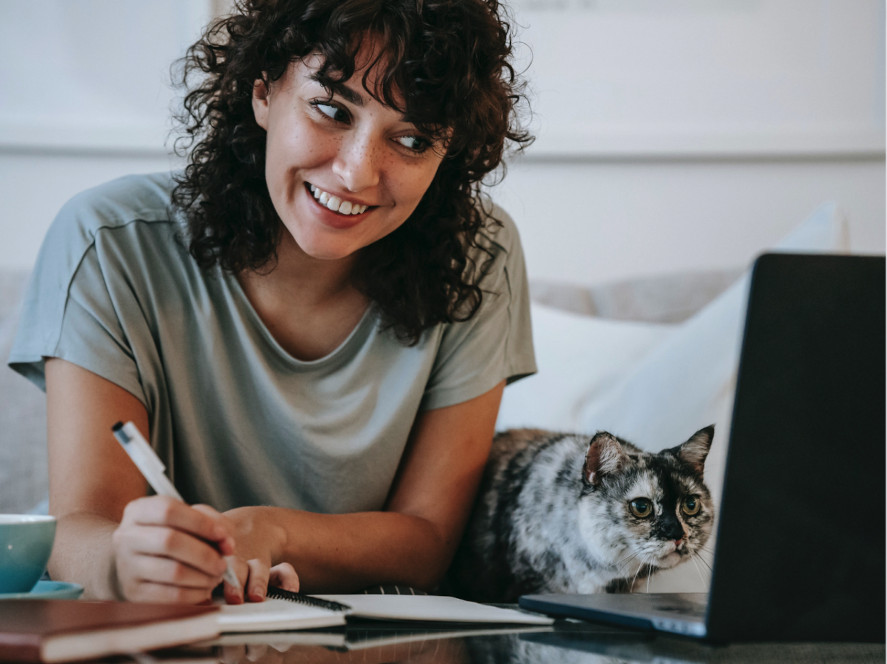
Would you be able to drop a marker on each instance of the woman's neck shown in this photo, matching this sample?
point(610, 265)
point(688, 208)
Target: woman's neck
point(309, 305)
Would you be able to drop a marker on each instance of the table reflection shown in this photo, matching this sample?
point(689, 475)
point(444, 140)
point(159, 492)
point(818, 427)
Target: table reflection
point(566, 643)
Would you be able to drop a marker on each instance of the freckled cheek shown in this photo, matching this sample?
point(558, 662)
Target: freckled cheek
point(285, 164)
point(414, 184)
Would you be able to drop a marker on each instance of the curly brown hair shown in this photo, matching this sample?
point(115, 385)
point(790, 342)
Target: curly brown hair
point(447, 61)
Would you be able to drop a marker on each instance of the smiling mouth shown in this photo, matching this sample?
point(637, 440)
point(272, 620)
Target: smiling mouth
point(336, 204)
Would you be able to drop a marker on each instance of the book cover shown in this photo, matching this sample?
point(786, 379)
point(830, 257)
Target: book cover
point(61, 630)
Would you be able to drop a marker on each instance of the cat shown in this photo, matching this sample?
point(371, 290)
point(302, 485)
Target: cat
point(561, 512)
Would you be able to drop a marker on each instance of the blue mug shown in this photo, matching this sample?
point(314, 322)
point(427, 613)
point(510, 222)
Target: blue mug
point(25, 544)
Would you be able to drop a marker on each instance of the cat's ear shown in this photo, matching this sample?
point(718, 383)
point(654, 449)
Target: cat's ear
point(695, 450)
point(605, 455)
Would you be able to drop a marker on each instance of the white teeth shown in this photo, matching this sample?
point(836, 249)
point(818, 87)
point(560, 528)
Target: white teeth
point(335, 203)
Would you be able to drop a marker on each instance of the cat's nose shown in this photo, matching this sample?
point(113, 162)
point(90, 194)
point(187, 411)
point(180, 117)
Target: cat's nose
point(671, 529)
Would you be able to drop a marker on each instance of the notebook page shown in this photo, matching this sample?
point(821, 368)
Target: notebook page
point(275, 615)
point(433, 608)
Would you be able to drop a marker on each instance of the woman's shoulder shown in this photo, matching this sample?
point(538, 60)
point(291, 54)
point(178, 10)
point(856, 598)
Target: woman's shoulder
point(124, 199)
point(499, 238)
point(95, 223)
point(106, 207)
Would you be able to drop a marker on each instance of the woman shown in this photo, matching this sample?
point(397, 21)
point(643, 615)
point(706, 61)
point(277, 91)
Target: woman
point(313, 323)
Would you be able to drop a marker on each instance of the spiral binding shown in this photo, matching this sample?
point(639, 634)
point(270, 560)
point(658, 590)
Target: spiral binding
point(279, 593)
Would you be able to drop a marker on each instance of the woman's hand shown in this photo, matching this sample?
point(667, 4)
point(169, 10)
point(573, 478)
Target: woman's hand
point(167, 551)
point(258, 564)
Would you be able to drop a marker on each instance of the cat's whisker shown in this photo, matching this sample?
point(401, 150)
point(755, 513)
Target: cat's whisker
point(625, 564)
point(590, 510)
point(627, 559)
point(637, 573)
point(651, 566)
point(698, 557)
point(698, 570)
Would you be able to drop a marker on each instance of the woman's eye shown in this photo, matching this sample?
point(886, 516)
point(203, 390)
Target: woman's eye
point(332, 111)
point(691, 506)
point(414, 143)
point(641, 507)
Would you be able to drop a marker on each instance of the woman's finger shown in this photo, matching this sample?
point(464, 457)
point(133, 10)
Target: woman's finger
point(174, 544)
point(232, 594)
point(200, 521)
point(149, 591)
point(284, 576)
point(225, 544)
point(257, 581)
point(157, 569)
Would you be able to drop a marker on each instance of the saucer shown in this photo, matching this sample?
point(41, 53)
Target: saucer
point(48, 590)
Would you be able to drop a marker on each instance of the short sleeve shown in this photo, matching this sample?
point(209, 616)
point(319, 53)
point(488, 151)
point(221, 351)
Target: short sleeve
point(496, 343)
point(76, 299)
point(88, 332)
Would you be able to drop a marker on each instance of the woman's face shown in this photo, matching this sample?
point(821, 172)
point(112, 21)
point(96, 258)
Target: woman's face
point(342, 171)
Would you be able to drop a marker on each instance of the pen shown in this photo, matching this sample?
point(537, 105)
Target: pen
point(152, 468)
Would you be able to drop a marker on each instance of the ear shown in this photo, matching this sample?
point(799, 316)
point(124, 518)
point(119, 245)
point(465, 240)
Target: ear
point(605, 455)
point(695, 450)
point(260, 102)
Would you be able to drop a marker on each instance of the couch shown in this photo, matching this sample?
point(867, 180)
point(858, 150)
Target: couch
point(649, 359)
point(22, 414)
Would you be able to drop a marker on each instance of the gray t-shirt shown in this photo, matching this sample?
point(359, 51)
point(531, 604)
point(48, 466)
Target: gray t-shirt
point(236, 419)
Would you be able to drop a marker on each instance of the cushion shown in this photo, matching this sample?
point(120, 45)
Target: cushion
point(651, 383)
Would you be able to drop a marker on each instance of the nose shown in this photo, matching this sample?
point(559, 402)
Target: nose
point(670, 528)
point(357, 162)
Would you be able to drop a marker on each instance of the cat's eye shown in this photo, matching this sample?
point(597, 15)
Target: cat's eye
point(691, 505)
point(641, 507)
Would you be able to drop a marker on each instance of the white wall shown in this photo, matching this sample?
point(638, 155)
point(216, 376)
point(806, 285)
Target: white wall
point(591, 221)
point(673, 134)
point(682, 134)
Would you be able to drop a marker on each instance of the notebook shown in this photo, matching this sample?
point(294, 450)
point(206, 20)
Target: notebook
point(284, 610)
point(799, 546)
point(62, 630)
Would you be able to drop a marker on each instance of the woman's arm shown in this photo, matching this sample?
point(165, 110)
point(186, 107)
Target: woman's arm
point(409, 543)
point(118, 544)
point(110, 538)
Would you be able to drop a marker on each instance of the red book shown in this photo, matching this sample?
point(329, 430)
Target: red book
point(63, 630)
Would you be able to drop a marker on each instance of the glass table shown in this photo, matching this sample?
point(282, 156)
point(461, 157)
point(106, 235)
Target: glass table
point(568, 642)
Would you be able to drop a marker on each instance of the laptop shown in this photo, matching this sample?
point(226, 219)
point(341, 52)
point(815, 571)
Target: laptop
point(799, 544)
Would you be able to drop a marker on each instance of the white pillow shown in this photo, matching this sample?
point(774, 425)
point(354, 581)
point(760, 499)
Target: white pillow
point(653, 385)
point(579, 359)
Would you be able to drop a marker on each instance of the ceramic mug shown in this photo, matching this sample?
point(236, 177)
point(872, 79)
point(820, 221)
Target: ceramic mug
point(25, 544)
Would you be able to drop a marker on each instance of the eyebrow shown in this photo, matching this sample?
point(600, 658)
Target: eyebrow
point(352, 96)
point(342, 90)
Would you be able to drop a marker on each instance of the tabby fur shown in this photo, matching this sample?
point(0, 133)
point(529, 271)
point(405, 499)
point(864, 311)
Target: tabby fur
point(561, 512)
